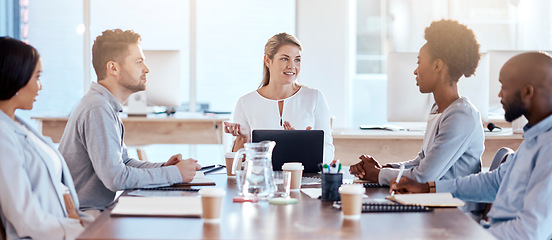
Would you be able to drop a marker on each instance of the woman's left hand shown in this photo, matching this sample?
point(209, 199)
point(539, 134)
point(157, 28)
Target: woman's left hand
point(288, 126)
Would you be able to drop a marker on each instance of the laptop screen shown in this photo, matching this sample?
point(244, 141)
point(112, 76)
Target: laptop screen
point(304, 146)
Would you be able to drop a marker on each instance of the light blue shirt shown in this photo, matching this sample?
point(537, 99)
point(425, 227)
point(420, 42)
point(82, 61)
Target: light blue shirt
point(92, 144)
point(520, 189)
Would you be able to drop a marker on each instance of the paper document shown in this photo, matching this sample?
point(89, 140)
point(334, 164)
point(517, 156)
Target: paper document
point(200, 179)
point(158, 206)
point(428, 199)
point(312, 192)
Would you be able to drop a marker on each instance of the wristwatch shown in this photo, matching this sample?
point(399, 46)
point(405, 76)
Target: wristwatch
point(431, 186)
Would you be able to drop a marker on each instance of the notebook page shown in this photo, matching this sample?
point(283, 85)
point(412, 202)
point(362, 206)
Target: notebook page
point(428, 199)
point(158, 206)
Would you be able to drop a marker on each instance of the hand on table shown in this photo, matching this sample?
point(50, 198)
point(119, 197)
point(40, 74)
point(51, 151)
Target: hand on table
point(173, 160)
point(188, 169)
point(367, 169)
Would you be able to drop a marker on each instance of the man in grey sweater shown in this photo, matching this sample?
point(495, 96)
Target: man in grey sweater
point(92, 143)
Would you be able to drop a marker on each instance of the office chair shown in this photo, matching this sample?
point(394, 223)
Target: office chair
point(2, 231)
point(500, 157)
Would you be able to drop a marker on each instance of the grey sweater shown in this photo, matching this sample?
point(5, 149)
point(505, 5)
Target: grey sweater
point(92, 144)
point(454, 150)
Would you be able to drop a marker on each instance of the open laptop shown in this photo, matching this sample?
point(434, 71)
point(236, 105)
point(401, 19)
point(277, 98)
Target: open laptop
point(304, 146)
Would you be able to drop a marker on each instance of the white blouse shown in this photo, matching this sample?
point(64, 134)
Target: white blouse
point(50, 153)
point(306, 108)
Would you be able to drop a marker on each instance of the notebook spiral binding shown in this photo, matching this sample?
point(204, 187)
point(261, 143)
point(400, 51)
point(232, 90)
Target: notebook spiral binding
point(388, 207)
point(171, 189)
point(373, 185)
point(382, 207)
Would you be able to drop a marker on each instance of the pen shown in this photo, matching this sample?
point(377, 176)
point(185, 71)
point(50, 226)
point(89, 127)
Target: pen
point(214, 169)
point(325, 168)
point(207, 167)
point(401, 170)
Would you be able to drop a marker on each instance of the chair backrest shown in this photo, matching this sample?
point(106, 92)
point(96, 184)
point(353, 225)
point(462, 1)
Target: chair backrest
point(500, 157)
point(2, 231)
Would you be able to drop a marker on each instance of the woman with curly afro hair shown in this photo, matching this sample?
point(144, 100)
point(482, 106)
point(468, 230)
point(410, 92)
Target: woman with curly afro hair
point(454, 137)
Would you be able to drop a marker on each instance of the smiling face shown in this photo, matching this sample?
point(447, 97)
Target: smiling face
point(285, 65)
point(134, 70)
point(426, 76)
point(26, 96)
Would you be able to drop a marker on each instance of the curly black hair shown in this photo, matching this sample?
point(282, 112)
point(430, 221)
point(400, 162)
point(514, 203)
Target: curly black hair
point(455, 44)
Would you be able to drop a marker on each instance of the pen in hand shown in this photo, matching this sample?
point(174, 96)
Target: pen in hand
point(401, 170)
point(214, 169)
point(207, 167)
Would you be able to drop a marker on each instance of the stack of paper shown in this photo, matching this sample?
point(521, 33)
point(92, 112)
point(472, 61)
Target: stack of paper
point(428, 199)
point(158, 206)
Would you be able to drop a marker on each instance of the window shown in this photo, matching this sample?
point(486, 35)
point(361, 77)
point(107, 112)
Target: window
point(10, 20)
point(385, 26)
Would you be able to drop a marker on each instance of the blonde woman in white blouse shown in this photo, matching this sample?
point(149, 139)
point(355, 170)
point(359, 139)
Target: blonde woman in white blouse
point(281, 102)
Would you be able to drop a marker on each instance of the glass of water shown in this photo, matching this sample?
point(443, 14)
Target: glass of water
point(240, 180)
point(282, 180)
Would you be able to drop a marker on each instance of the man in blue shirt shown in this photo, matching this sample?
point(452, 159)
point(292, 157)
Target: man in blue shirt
point(520, 189)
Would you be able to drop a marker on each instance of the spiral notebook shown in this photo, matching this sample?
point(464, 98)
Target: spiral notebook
point(428, 199)
point(189, 206)
point(368, 184)
point(377, 205)
point(390, 207)
point(199, 180)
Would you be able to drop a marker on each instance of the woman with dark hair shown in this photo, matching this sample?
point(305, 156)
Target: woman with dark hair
point(37, 191)
point(281, 102)
point(454, 137)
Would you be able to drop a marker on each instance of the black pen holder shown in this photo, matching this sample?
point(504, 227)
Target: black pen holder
point(330, 186)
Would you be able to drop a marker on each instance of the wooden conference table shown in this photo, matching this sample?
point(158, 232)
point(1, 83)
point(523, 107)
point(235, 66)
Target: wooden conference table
point(308, 219)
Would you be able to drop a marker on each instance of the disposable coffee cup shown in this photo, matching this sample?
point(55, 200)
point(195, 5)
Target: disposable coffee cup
point(211, 202)
point(229, 161)
point(296, 169)
point(351, 200)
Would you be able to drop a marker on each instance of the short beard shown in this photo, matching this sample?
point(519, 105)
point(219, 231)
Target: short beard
point(137, 87)
point(514, 109)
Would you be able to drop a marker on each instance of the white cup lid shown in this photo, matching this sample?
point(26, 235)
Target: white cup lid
point(212, 192)
point(229, 155)
point(352, 189)
point(293, 166)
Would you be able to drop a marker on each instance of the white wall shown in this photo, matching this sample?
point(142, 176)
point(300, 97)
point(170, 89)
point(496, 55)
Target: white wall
point(324, 31)
point(163, 25)
point(230, 39)
point(533, 17)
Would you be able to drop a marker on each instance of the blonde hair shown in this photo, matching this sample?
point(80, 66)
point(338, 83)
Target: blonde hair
point(272, 47)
